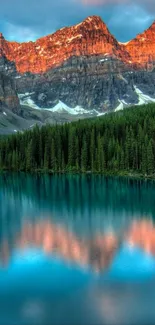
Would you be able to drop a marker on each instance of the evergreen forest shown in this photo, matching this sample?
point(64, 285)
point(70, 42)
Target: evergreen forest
point(116, 143)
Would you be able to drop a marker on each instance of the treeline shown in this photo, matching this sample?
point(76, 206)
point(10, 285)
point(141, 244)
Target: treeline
point(118, 142)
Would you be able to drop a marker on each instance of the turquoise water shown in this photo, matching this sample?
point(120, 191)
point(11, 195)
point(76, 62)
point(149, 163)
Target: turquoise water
point(48, 291)
point(82, 203)
point(38, 288)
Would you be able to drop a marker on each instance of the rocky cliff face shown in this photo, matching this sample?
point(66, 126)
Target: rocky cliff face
point(8, 93)
point(88, 82)
point(91, 37)
point(142, 49)
point(80, 71)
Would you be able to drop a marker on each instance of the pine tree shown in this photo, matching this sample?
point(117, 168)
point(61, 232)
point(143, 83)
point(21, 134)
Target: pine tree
point(84, 157)
point(53, 157)
point(144, 167)
point(92, 150)
point(150, 159)
point(71, 149)
point(14, 160)
point(121, 141)
point(29, 157)
point(46, 158)
point(77, 154)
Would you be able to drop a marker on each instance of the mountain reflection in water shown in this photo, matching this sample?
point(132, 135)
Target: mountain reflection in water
point(96, 252)
point(49, 275)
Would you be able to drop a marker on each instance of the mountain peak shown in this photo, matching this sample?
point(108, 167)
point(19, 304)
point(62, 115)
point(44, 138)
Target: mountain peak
point(90, 37)
point(93, 19)
point(142, 48)
point(1, 36)
point(149, 31)
point(94, 22)
point(152, 25)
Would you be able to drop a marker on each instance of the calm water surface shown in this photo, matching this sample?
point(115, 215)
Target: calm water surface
point(57, 263)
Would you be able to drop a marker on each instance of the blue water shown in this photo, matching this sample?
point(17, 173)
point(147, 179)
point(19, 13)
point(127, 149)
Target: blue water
point(39, 289)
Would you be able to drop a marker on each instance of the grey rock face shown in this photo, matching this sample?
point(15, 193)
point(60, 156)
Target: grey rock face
point(8, 93)
point(94, 82)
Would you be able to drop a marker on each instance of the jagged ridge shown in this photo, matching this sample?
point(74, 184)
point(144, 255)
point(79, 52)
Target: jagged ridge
point(91, 37)
point(76, 72)
point(142, 48)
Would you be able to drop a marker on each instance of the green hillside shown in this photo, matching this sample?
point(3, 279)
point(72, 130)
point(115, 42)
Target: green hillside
point(117, 143)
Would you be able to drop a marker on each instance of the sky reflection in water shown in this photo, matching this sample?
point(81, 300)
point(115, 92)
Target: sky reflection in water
point(89, 263)
point(42, 285)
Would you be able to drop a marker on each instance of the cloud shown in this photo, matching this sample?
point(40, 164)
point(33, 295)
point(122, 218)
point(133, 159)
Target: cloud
point(130, 23)
point(101, 2)
point(21, 33)
point(148, 3)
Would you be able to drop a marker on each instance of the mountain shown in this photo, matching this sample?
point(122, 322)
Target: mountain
point(142, 49)
point(91, 37)
point(8, 94)
point(78, 72)
point(14, 117)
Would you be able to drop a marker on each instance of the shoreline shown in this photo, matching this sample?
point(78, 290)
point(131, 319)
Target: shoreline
point(123, 174)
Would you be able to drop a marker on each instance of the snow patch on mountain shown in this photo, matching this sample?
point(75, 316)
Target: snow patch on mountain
point(69, 40)
point(25, 99)
point(120, 106)
point(124, 43)
point(60, 107)
point(103, 60)
point(143, 99)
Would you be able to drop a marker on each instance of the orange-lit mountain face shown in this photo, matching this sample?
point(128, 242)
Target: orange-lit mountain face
point(142, 48)
point(91, 37)
point(77, 72)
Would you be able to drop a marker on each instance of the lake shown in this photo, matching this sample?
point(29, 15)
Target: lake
point(76, 250)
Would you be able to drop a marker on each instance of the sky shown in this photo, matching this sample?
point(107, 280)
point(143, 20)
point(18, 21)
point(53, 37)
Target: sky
point(24, 20)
